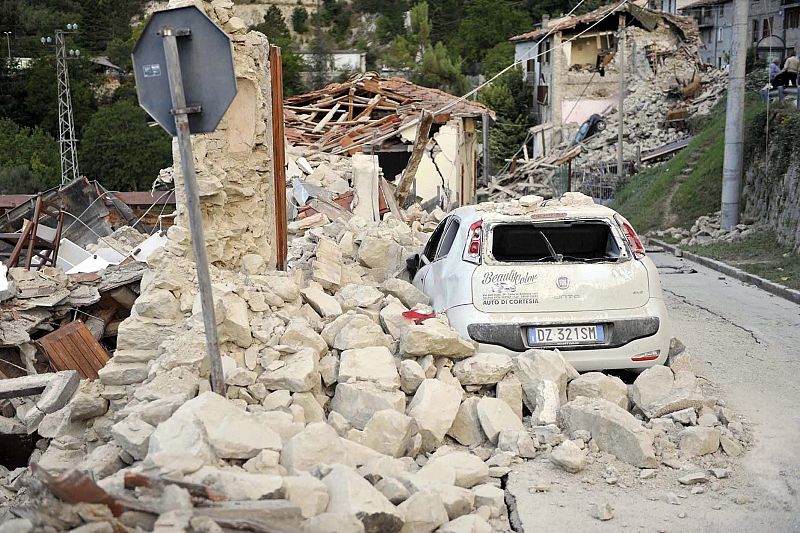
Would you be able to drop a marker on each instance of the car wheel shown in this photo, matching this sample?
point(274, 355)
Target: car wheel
point(601, 125)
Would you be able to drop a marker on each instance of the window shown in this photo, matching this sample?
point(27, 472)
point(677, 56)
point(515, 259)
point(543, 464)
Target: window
point(449, 236)
point(574, 240)
point(530, 66)
point(791, 18)
point(720, 34)
point(544, 52)
point(755, 31)
point(721, 10)
point(766, 28)
point(433, 241)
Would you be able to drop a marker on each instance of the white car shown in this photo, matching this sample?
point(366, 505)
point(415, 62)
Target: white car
point(566, 274)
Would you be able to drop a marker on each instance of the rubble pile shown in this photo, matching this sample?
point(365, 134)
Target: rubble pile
point(707, 230)
point(342, 412)
point(658, 103)
point(37, 302)
point(650, 103)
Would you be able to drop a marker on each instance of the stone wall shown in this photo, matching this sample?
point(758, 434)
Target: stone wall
point(774, 197)
point(234, 163)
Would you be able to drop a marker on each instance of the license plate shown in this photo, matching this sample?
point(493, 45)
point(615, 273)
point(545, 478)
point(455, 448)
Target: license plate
point(554, 335)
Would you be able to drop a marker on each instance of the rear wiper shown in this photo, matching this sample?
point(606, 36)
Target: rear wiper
point(558, 257)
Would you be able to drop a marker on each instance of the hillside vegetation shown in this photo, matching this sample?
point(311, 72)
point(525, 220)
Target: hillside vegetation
point(689, 185)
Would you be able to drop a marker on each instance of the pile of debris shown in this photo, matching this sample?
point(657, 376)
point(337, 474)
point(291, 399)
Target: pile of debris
point(655, 114)
point(658, 105)
point(350, 406)
point(707, 230)
point(425, 135)
point(57, 318)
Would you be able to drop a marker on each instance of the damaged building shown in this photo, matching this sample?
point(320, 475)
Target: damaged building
point(373, 115)
point(573, 66)
point(569, 62)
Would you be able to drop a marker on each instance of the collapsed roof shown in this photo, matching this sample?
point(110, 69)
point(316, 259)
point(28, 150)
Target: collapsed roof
point(342, 117)
point(640, 16)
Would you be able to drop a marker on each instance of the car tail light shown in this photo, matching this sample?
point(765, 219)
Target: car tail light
point(633, 240)
point(647, 356)
point(472, 251)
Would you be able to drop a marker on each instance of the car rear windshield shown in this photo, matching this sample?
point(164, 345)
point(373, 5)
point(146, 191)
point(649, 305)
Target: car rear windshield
point(584, 241)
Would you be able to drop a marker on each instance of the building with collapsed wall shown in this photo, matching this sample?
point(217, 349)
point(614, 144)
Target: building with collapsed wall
point(374, 115)
point(570, 63)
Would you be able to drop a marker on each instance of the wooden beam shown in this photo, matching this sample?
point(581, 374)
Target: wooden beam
point(421, 141)
point(279, 157)
point(368, 110)
point(322, 123)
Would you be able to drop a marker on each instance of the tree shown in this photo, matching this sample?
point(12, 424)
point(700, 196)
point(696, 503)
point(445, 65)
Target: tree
point(107, 154)
point(445, 15)
point(40, 99)
point(300, 19)
point(497, 58)
point(274, 26)
point(433, 66)
point(486, 23)
point(29, 160)
point(439, 70)
point(510, 99)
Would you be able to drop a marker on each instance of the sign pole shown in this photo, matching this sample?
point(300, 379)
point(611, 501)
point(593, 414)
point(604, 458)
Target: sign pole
point(181, 112)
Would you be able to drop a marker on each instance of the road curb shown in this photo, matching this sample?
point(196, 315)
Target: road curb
point(770, 286)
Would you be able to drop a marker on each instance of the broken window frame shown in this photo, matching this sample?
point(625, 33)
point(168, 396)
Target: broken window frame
point(448, 238)
point(432, 246)
point(614, 237)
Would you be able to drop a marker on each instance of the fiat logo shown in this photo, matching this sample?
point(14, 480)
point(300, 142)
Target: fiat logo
point(562, 282)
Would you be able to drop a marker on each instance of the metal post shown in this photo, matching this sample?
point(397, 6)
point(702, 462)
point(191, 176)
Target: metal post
point(180, 112)
point(621, 105)
point(8, 43)
point(734, 123)
point(66, 124)
point(485, 119)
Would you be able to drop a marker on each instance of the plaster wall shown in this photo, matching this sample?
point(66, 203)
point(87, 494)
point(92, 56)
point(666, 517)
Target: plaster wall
point(234, 163)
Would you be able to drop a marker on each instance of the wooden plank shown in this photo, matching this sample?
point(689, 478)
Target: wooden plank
point(75, 346)
point(279, 157)
point(72, 347)
point(87, 339)
point(327, 118)
point(368, 110)
point(421, 141)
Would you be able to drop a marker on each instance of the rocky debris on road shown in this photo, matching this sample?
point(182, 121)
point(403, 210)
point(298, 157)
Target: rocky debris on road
point(707, 230)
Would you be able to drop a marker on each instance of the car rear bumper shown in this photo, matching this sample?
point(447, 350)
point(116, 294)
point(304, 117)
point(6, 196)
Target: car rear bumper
point(631, 334)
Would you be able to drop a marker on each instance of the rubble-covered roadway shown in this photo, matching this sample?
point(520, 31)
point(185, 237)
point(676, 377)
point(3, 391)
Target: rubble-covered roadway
point(341, 413)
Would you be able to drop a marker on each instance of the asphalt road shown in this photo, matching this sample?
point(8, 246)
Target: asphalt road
point(746, 344)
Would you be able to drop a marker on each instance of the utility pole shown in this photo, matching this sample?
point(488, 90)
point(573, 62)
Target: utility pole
point(621, 104)
point(67, 142)
point(734, 115)
point(485, 123)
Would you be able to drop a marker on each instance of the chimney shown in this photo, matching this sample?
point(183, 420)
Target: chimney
point(545, 20)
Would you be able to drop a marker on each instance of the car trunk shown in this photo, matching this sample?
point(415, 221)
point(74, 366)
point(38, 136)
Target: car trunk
point(578, 265)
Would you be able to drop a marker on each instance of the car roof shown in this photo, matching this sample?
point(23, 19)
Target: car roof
point(571, 205)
